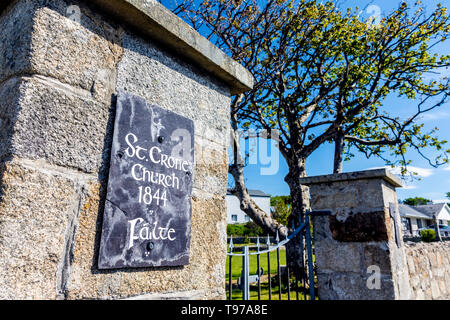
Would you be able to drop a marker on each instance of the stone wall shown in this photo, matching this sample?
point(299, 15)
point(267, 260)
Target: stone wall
point(362, 242)
point(429, 270)
point(358, 238)
point(58, 79)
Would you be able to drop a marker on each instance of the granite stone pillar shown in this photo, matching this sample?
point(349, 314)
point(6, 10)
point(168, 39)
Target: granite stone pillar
point(358, 248)
point(61, 66)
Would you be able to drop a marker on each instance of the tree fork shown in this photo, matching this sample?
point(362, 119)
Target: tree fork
point(236, 169)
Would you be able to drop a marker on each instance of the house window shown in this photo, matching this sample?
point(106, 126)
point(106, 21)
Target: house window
point(234, 217)
point(419, 223)
point(407, 225)
point(404, 224)
point(441, 221)
point(247, 218)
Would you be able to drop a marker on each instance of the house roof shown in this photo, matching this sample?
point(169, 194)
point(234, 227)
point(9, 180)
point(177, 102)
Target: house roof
point(425, 211)
point(410, 211)
point(254, 193)
point(430, 209)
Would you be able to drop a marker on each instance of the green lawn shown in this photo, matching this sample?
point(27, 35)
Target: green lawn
point(236, 273)
point(237, 263)
point(237, 294)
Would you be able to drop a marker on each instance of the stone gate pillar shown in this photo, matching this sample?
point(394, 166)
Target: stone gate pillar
point(61, 65)
point(358, 248)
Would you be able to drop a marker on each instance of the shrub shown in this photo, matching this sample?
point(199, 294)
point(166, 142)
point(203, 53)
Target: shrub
point(249, 229)
point(236, 230)
point(427, 235)
point(253, 230)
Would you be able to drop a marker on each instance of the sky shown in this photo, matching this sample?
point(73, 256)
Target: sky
point(431, 183)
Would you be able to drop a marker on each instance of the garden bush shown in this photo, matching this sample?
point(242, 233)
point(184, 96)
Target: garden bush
point(249, 229)
point(427, 235)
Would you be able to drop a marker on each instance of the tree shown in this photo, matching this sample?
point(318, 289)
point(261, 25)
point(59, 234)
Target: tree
point(322, 76)
point(249, 229)
point(242, 29)
point(282, 208)
point(416, 201)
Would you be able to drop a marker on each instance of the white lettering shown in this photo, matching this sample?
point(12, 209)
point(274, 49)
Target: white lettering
point(161, 229)
point(133, 171)
point(155, 154)
point(132, 227)
point(185, 163)
point(168, 234)
point(151, 154)
point(138, 150)
point(161, 180)
point(145, 230)
point(164, 159)
point(141, 231)
point(140, 173)
point(130, 150)
point(154, 228)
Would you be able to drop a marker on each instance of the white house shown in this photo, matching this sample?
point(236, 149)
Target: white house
point(236, 215)
point(417, 217)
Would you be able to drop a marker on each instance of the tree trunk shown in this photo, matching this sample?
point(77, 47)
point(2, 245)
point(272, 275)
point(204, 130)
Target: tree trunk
point(438, 232)
point(338, 153)
point(299, 193)
point(236, 169)
point(259, 216)
point(300, 203)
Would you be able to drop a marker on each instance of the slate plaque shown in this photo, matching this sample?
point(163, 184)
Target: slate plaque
point(147, 217)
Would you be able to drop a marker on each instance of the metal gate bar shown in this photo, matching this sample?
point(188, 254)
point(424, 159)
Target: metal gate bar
point(303, 234)
point(310, 259)
point(268, 267)
point(258, 268)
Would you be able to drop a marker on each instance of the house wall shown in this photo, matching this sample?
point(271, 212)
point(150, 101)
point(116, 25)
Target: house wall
point(429, 270)
point(415, 227)
point(233, 207)
point(444, 215)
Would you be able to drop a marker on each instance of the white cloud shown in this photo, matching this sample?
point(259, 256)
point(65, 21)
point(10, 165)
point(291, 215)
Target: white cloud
point(447, 168)
point(437, 75)
point(420, 172)
point(409, 187)
point(436, 115)
point(441, 201)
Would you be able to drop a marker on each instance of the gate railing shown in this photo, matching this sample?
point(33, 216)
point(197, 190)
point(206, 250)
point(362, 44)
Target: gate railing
point(302, 233)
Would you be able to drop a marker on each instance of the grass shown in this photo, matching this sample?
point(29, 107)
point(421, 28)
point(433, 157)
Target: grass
point(237, 264)
point(237, 293)
point(236, 273)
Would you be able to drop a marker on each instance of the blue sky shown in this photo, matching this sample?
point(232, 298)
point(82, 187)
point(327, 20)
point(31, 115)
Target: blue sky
point(433, 183)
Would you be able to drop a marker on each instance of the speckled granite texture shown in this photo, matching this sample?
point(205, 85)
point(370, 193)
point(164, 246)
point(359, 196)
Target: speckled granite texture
point(58, 80)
